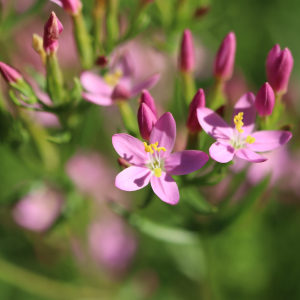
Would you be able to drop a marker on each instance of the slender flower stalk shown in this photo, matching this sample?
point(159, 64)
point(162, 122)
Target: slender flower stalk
point(238, 139)
point(154, 163)
point(112, 24)
point(279, 65)
point(98, 18)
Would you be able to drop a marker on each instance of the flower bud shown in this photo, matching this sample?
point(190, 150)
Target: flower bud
point(71, 7)
point(52, 31)
point(224, 60)
point(149, 101)
point(187, 54)
point(102, 61)
point(37, 45)
point(192, 120)
point(265, 100)
point(10, 74)
point(120, 93)
point(279, 65)
point(146, 120)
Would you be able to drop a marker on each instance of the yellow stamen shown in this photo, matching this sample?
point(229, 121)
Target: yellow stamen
point(113, 78)
point(238, 122)
point(148, 148)
point(154, 146)
point(157, 172)
point(250, 139)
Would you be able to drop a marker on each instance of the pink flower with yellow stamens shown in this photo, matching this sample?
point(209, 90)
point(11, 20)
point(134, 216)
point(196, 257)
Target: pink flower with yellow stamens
point(117, 84)
point(154, 163)
point(238, 139)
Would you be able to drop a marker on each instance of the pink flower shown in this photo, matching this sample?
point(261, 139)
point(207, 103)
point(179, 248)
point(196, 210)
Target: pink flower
point(236, 139)
point(154, 163)
point(38, 210)
point(117, 84)
point(111, 245)
point(72, 7)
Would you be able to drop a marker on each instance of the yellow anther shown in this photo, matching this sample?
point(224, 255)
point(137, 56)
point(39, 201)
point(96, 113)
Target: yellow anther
point(113, 78)
point(250, 139)
point(238, 122)
point(148, 148)
point(157, 172)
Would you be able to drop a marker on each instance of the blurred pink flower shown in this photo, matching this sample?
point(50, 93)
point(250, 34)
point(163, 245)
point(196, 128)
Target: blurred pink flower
point(38, 210)
point(111, 244)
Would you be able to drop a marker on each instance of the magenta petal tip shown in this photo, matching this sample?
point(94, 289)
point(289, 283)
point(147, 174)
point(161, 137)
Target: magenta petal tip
point(187, 52)
point(265, 100)
point(146, 121)
point(10, 74)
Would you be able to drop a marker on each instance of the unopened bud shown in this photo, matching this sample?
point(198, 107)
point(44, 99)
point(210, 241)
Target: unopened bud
point(279, 65)
point(10, 74)
point(71, 7)
point(123, 163)
point(265, 100)
point(192, 120)
point(149, 101)
point(187, 53)
point(52, 31)
point(146, 121)
point(37, 45)
point(202, 11)
point(224, 60)
point(120, 93)
point(102, 61)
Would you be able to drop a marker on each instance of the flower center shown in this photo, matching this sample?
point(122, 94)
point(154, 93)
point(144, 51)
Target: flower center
point(112, 79)
point(155, 163)
point(238, 141)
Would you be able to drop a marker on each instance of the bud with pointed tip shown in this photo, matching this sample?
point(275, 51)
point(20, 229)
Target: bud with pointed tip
point(192, 120)
point(10, 74)
point(265, 100)
point(149, 101)
point(187, 53)
point(71, 7)
point(52, 31)
point(120, 92)
point(224, 60)
point(146, 120)
point(279, 65)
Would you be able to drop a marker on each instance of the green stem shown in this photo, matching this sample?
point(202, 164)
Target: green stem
point(217, 97)
point(83, 41)
point(112, 24)
point(189, 87)
point(55, 80)
point(98, 16)
point(193, 141)
point(129, 118)
point(42, 286)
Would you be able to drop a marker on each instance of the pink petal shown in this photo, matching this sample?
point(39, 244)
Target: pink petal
point(185, 162)
point(95, 84)
point(246, 104)
point(250, 155)
point(146, 84)
point(164, 132)
point(58, 2)
point(165, 188)
point(221, 153)
point(130, 148)
point(124, 63)
point(269, 140)
point(97, 99)
point(133, 178)
point(213, 124)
